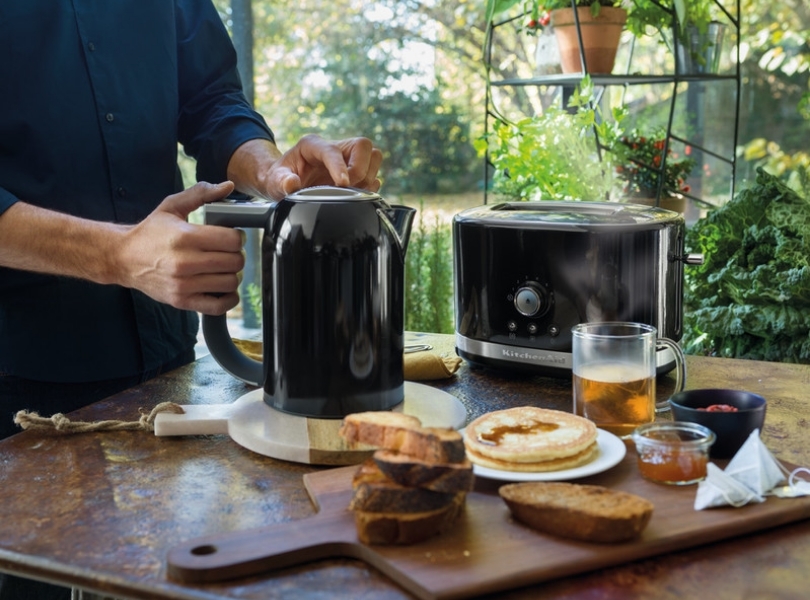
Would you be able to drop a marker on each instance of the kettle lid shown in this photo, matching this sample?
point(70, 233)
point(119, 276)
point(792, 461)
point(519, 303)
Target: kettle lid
point(329, 193)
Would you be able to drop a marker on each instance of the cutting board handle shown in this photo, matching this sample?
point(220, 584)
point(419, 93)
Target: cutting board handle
point(238, 554)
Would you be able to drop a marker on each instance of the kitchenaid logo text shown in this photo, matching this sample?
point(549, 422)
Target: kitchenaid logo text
point(545, 358)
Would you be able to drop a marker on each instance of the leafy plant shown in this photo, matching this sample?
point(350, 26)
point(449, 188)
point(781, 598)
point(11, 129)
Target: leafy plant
point(537, 11)
point(751, 297)
point(556, 155)
point(663, 15)
point(641, 165)
point(429, 278)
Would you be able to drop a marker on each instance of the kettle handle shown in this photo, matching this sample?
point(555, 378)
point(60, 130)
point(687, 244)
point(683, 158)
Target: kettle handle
point(225, 352)
point(233, 213)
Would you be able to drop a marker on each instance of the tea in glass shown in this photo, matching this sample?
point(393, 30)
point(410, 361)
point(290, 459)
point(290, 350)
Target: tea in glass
point(618, 397)
point(614, 370)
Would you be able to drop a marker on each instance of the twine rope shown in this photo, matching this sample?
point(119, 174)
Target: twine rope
point(59, 423)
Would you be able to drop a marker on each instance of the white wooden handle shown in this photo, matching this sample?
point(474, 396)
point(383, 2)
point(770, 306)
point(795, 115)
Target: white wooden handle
point(198, 419)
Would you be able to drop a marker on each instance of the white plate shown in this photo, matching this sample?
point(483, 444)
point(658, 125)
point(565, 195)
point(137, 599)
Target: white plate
point(611, 453)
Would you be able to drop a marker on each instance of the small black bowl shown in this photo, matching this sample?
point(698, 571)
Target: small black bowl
point(731, 428)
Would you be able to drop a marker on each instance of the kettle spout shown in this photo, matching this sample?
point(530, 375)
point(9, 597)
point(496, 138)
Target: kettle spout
point(401, 219)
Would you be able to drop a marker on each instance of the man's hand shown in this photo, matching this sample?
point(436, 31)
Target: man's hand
point(194, 267)
point(259, 169)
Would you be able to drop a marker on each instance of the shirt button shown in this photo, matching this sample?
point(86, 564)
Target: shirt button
point(122, 192)
point(110, 118)
point(91, 46)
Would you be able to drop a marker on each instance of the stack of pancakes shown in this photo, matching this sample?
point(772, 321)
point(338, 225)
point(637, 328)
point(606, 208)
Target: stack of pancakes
point(531, 439)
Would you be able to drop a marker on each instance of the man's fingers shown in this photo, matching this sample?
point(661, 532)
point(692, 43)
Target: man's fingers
point(209, 304)
point(186, 202)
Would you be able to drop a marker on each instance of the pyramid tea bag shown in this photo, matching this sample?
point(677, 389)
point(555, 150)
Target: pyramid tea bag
point(755, 467)
point(720, 489)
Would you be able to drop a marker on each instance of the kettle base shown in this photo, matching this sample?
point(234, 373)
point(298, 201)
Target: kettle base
point(267, 431)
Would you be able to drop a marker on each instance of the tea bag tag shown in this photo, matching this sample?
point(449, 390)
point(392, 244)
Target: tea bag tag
point(796, 487)
point(755, 467)
point(720, 489)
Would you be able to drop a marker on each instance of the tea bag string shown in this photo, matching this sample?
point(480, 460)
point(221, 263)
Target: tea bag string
point(59, 423)
point(797, 483)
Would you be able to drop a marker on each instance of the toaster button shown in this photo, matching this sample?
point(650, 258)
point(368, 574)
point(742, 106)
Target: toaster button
point(529, 301)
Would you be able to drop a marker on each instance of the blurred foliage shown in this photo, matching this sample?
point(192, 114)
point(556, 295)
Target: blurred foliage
point(429, 277)
point(792, 168)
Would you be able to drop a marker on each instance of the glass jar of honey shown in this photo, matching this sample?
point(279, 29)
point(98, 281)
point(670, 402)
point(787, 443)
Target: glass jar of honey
point(673, 452)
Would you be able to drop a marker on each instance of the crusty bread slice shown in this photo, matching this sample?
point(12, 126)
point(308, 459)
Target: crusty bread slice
point(406, 528)
point(584, 512)
point(403, 433)
point(374, 492)
point(413, 472)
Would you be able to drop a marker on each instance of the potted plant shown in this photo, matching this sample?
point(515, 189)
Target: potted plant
point(696, 38)
point(555, 155)
point(588, 38)
point(651, 172)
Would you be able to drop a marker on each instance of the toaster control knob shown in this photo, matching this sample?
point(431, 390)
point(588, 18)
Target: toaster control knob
point(530, 300)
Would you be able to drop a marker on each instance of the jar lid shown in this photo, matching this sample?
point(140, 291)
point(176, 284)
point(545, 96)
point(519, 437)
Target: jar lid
point(674, 434)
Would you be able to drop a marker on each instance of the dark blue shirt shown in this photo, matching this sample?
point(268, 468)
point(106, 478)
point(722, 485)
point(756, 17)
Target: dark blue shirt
point(94, 97)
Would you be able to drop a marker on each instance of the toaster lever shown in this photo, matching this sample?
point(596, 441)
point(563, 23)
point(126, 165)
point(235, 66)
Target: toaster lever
point(691, 259)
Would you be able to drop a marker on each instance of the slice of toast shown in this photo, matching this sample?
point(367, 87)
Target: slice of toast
point(406, 528)
point(405, 434)
point(374, 492)
point(413, 472)
point(584, 512)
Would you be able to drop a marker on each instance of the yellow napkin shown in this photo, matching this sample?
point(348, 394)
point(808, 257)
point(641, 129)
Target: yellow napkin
point(418, 366)
point(423, 366)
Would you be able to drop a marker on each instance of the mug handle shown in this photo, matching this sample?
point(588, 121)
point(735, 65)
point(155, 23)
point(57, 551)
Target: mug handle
point(680, 371)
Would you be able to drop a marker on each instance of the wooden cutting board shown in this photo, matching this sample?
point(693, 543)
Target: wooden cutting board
point(485, 551)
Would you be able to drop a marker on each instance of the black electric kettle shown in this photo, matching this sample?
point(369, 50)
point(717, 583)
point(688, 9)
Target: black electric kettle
point(333, 301)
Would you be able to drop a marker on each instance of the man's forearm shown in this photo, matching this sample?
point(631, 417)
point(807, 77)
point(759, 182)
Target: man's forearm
point(45, 241)
point(250, 164)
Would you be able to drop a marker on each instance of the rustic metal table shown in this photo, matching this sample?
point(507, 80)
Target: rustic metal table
point(98, 511)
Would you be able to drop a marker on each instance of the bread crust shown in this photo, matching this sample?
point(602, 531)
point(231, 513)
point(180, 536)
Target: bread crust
point(413, 472)
point(404, 434)
point(588, 513)
point(374, 492)
point(407, 528)
point(433, 480)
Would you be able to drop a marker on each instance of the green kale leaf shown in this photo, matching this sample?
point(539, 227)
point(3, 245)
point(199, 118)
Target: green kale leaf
point(751, 297)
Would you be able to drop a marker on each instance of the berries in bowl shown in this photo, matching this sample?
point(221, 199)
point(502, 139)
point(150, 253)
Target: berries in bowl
point(731, 414)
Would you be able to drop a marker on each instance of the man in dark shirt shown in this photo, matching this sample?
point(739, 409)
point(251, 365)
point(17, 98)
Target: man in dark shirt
point(101, 275)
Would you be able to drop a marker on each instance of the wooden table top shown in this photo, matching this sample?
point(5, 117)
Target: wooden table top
point(99, 511)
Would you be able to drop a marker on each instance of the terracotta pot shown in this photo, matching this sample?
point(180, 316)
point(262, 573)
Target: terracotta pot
point(600, 37)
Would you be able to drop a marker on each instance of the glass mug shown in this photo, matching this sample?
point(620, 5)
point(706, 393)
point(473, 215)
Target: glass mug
point(614, 372)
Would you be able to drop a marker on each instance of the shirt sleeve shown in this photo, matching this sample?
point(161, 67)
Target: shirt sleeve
point(215, 118)
point(7, 199)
